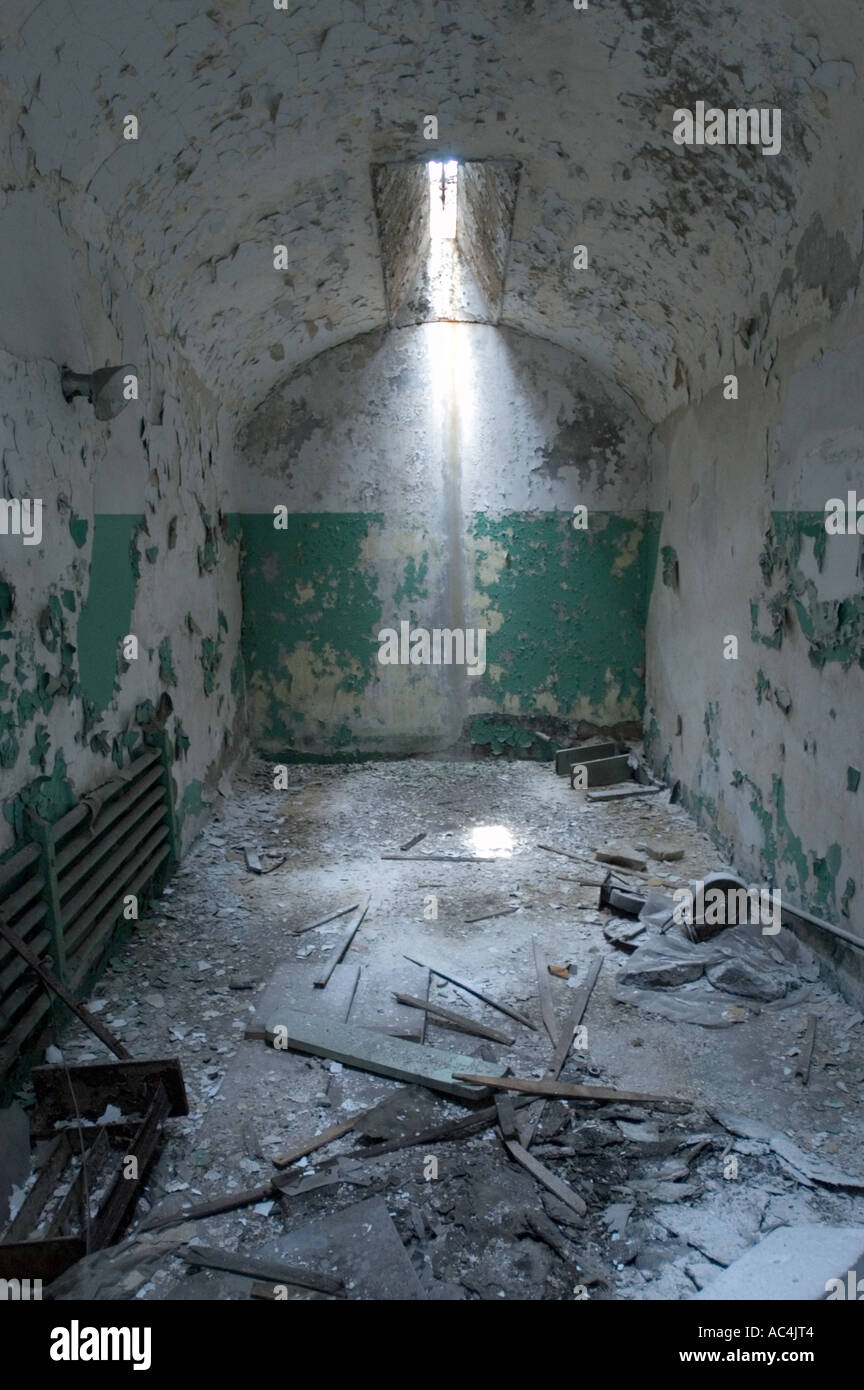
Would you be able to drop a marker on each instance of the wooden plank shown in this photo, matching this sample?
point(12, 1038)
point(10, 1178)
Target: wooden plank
point(803, 1067)
point(478, 994)
point(310, 1146)
point(50, 980)
point(71, 1216)
point(49, 1176)
point(469, 1125)
point(273, 1271)
point(463, 1022)
point(426, 977)
point(624, 793)
point(127, 1084)
point(544, 991)
point(567, 1090)
point(447, 858)
point(233, 1202)
point(336, 956)
point(506, 1108)
point(499, 912)
point(378, 1053)
point(554, 1185)
point(123, 1195)
point(415, 840)
point(331, 917)
point(562, 1049)
point(568, 854)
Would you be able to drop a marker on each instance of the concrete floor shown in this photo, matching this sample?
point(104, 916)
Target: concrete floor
point(189, 980)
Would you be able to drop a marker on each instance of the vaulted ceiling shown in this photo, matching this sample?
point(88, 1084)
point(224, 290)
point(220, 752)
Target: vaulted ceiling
point(259, 126)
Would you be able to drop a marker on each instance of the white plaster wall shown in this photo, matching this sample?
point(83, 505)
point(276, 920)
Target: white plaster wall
point(64, 300)
point(366, 427)
point(792, 440)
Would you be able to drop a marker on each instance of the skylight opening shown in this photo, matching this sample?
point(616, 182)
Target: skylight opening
point(442, 199)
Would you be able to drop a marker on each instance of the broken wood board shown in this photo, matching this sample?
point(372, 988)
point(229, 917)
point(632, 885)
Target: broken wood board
point(320, 1141)
point(384, 1056)
point(499, 912)
point(268, 1268)
point(439, 1134)
point(128, 1084)
point(383, 1120)
point(568, 854)
point(447, 858)
point(623, 793)
point(478, 994)
point(566, 1090)
point(804, 1061)
point(554, 1185)
point(415, 840)
point(336, 955)
point(56, 987)
point(544, 991)
point(563, 1045)
point(281, 1185)
point(291, 987)
point(462, 1022)
point(331, 917)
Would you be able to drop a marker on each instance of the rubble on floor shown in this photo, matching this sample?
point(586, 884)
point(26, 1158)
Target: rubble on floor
point(285, 1157)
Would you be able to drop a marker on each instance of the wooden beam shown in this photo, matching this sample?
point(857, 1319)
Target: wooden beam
point(568, 854)
point(562, 1050)
point(803, 1067)
point(477, 994)
point(331, 917)
point(123, 1195)
point(550, 1182)
point(568, 1091)
point(273, 1271)
point(463, 1022)
point(128, 1084)
point(544, 991)
point(50, 980)
point(336, 956)
point(309, 1146)
point(448, 858)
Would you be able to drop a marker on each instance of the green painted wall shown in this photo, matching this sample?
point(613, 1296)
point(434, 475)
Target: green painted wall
point(565, 612)
point(725, 793)
point(106, 613)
